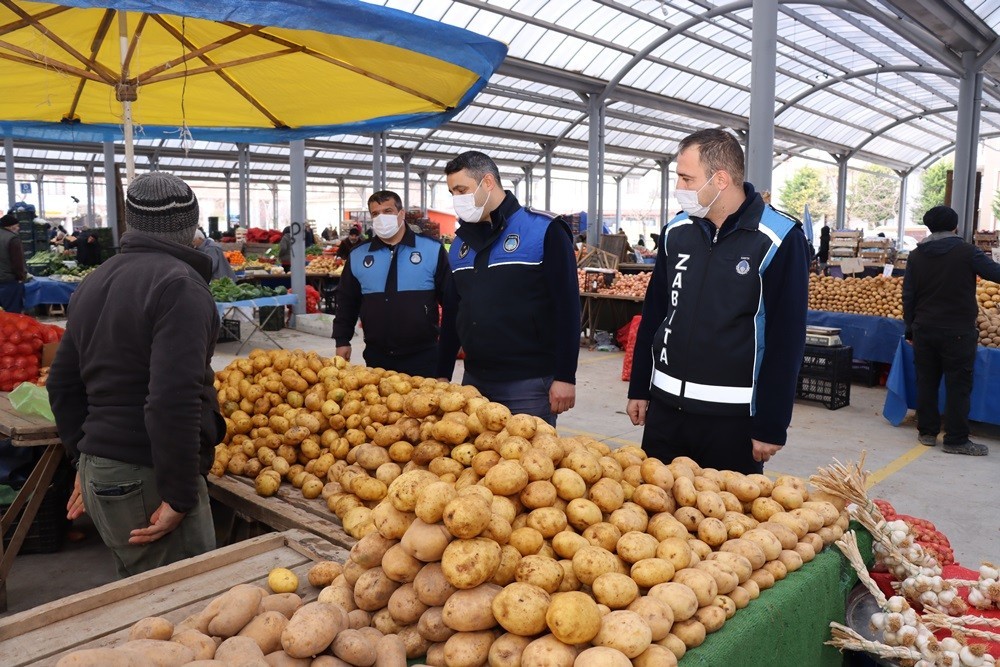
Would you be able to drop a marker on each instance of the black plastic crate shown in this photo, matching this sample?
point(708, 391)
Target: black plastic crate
point(229, 331)
point(271, 318)
point(48, 531)
point(831, 363)
point(834, 394)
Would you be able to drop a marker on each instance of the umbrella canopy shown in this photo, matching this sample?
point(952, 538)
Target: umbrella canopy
point(231, 70)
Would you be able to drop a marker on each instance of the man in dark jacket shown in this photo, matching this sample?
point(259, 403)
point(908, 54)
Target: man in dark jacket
point(220, 265)
point(13, 270)
point(347, 245)
point(132, 388)
point(514, 300)
point(723, 324)
point(394, 283)
point(940, 309)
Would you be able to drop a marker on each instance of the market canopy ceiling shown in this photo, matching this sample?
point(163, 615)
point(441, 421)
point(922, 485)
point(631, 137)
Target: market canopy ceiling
point(871, 79)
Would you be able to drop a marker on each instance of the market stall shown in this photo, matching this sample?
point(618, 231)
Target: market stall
point(40, 291)
point(872, 338)
point(608, 312)
point(271, 315)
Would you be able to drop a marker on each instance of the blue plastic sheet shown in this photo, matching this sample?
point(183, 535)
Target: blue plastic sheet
point(45, 291)
point(873, 338)
point(284, 300)
point(901, 387)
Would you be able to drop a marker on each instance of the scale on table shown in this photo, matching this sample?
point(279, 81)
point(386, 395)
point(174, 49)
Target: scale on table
point(823, 336)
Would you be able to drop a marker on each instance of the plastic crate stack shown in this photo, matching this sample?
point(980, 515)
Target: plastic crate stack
point(825, 375)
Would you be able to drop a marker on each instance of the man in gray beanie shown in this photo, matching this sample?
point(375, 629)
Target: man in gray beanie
point(132, 388)
point(940, 309)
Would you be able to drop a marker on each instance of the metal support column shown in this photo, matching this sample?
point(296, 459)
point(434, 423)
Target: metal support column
point(274, 204)
point(110, 192)
point(406, 183)
point(664, 191)
point(8, 158)
point(618, 202)
point(378, 162)
point(297, 187)
point(970, 92)
point(423, 192)
point(229, 178)
point(91, 209)
point(341, 199)
point(903, 175)
point(40, 181)
point(548, 177)
point(841, 222)
point(527, 185)
point(595, 170)
point(244, 178)
point(760, 156)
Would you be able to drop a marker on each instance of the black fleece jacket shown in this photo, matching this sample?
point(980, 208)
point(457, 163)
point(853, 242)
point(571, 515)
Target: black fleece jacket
point(131, 380)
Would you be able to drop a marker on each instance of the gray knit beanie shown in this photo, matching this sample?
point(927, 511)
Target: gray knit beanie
point(163, 206)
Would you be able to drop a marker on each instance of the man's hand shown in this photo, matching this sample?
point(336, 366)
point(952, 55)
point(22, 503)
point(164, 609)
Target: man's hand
point(636, 411)
point(163, 521)
point(345, 352)
point(562, 397)
point(763, 451)
point(75, 508)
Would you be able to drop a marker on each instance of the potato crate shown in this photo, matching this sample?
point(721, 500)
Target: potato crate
point(48, 530)
point(825, 375)
point(229, 331)
point(833, 394)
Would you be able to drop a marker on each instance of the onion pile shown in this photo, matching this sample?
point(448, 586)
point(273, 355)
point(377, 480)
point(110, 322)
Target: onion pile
point(633, 285)
point(878, 296)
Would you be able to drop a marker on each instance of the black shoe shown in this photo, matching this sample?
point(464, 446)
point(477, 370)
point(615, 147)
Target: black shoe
point(927, 439)
point(969, 448)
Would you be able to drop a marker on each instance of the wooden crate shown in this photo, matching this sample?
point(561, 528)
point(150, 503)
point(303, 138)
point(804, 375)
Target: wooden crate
point(614, 244)
point(102, 617)
point(597, 259)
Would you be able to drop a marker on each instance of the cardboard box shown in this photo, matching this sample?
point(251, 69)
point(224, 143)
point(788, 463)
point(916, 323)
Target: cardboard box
point(49, 353)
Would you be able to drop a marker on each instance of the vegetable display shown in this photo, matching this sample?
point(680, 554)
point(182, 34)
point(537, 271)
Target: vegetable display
point(634, 285)
point(225, 290)
point(878, 296)
point(484, 536)
point(21, 348)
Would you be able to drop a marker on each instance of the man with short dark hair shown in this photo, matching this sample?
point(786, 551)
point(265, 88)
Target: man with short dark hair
point(394, 283)
point(346, 245)
point(13, 269)
point(723, 323)
point(515, 303)
point(940, 309)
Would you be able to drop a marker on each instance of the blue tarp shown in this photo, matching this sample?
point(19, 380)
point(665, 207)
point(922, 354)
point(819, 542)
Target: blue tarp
point(873, 338)
point(901, 387)
point(263, 302)
point(45, 291)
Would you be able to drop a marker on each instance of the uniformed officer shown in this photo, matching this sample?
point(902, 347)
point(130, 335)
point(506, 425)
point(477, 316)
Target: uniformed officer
point(514, 304)
point(395, 283)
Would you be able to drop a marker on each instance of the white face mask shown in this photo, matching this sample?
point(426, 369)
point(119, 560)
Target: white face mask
point(465, 206)
point(688, 200)
point(386, 225)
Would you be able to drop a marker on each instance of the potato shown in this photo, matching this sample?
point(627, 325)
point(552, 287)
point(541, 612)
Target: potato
point(324, 572)
point(653, 498)
point(340, 594)
point(506, 651)
point(635, 546)
point(815, 541)
point(432, 499)
point(711, 617)
point(232, 610)
point(765, 540)
point(656, 613)
point(432, 626)
point(827, 511)
point(738, 564)
point(675, 550)
point(710, 504)
point(540, 571)
point(679, 597)
point(405, 489)
point(521, 607)
point(471, 610)
point(369, 550)
point(353, 647)
point(684, 492)
point(151, 627)
point(604, 535)
point(725, 576)
point(764, 508)
point(404, 606)
point(791, 560)
point(625, 631)
point(509, 559)
point(265, 630)
point(425, 542)
point(814, 520)
point(102, 657)
point(690, 517)
point(469, 563)
point(285, 603)
point(748, 549)
point(691, 632)
point(805, 551)
point(548, 651)
point(569, 484)
point(591, 562)
point(566, 543)
point(788, 497)
point(200, 644)
point(450, 432)
point(573, 617)
point(373, 589)
point(468, 649)
point(506, 478)
point(786, 528)
point(312, 629)
point(602, 656)
point(652, 571)
point(615, 590)
point(777, 569)
point(493, 416)
point(712, 531)
point(762, 578)
point(526, 540)
point(359, 618)
point(415, 645)
point(432, 586)
point(467, 516)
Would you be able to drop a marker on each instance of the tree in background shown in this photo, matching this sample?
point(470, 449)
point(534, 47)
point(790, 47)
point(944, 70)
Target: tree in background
point(996, 206)
point(806, 186)
point(932, 182)
point(874, 196)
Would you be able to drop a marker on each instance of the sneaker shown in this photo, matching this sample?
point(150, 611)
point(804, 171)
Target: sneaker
point(927, 439)
point(969, 448)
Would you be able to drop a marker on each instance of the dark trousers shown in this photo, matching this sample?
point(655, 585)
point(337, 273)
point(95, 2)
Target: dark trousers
point(716, 442)
point(524, 397)
point(951, 353)
point(423, 363)
point(12, 297)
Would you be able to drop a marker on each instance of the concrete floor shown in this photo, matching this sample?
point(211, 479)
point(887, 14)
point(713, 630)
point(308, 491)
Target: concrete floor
point(951, 491)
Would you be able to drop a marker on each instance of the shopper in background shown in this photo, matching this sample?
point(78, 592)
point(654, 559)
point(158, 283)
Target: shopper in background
point(13, 269)
point(723, 324)
point(220, 265)
point(309, 234)
point(132, 388)
point(285, 249)
point(88, 247)
point(353, 239)
point(395, 283)
point(514, 301)
point(940, 309)
point(823, 254)
point(328, 234)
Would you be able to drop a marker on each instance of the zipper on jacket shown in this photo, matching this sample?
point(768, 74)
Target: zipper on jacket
point(715, 239)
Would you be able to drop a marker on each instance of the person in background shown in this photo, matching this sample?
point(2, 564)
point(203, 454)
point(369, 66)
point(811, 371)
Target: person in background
point(823, 254)
point(656, 241)
point(285, 249)
point(13, 269)
point(395, 284)
point(132, 385)
point(353, 239)
point(513, 303)
point(940, 309)
point(88, 247)
point(328, 234)
point(724, 319)
point(310, 236)
point(220, 265)
point(641, 242)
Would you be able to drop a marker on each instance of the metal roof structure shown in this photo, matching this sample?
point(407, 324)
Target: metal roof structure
point(877, 80)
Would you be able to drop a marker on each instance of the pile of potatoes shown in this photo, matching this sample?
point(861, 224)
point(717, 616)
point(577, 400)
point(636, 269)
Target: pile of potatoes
point(873, 295)
point(988, 296)
point(623, 284)
point(251, 627)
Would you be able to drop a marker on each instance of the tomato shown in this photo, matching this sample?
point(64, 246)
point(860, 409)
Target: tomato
point(22, 324)
point(7, 349)
point(15, 337)
point(5, 375)
point(6, 361)
point(24, 349)
point(36, 344)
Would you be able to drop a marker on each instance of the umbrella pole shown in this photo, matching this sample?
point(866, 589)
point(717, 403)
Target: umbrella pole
point(126, 93)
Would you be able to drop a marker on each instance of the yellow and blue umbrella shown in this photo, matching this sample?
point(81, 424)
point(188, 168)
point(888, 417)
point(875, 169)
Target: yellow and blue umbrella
point(230, 70)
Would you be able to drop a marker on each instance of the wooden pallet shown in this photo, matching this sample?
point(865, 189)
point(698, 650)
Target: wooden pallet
point(598, 259)
point(25, 430)
point(102, 617)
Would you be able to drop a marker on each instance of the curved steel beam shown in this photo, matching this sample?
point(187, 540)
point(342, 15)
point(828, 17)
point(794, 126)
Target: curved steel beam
point(896, 123)
point(895, 69)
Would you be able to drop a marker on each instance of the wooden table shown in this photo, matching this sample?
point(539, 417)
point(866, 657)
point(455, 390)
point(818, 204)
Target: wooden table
point(287, 509)
point(25, 431)
point(102, 617)
point(612, 310)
